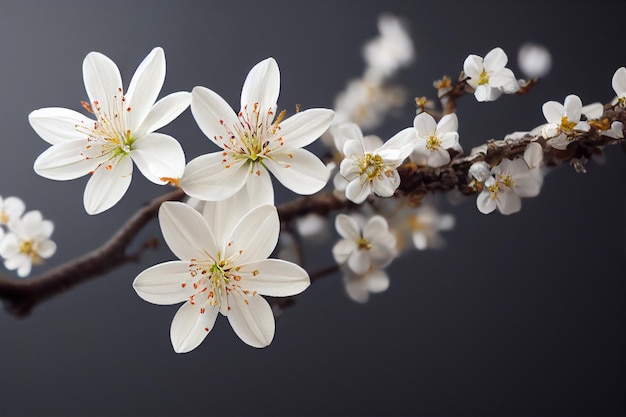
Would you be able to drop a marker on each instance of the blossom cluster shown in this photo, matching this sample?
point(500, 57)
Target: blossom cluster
point(24, 237)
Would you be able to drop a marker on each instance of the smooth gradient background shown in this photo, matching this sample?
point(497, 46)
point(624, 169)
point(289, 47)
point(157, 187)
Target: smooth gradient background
point(524, 314)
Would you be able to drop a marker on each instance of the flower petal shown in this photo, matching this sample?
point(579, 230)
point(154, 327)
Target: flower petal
point(573, 107)
point(207, 178)
point(165, 284)
point(438, 158)
point(495, 60)
point(186, 232)
point(359, 261)
point(619, 82)
point(107, 185)
point(66, 161)
point(46, 249)
point(344, 132)
point(214, 116)
point(425, 125)
point(251, 319)
point(377, 281)
point(593, 110)
point(190, 327)
point(358, 190)
point(448, 124)
point(164, 111)
point(356, 287)
point(274, 277)
point(255, 236)
point(102, 80)
point(473, 67)
point(158, 156)
point(299, 170)
point(56, 125)
point(144, 87)
point(305, 127)
point(375, 228)
point(553, 111)
point(342, 250)
point(261, 88)
point(386, 185)
point(485, 203)
point(508, 202)
point(347, 227)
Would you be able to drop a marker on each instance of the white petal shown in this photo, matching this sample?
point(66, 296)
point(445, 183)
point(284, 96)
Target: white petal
point(66, 161)
point(495, 60)
point(255, 236)
point(358, 190)
point(354, 148)
point(485, 203)
point(214, 116)
point(372, 142)
point(144, 87)
point(448, 123)
point(619, 82)
point(186, 232)
point(553, 111)
point(473, 68)
point(107, 185)
point(573, 107)
point(386, 186)
point(403, 142)
point(528, 184)
point(164, 111)
point(158, 156)
point(274, 277)
point(356, 287)
point(450, 140)
point(207, 178)
point(102, 80)
point(508, 202)
point(504, 80)
point(56, 125)
point(344, 132)
point(347, 227)
point(299, 170)
point(375, 228)
point(342, 250)
point(438, 158)
point(165, 284)
point(304, 127)
point(593, 110)
point(486, 93)
point(14, 206)
point(253, 321)
point(425, 125)
point(46, 249)
point(359, 261)
point(377, 281)
point(223, 215)
point(190, 326)
point(533, 155)
point(261, 87)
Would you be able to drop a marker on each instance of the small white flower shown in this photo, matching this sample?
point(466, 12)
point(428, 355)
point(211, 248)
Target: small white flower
point(254, 141)
point(510, 181)
point(11, 208)
point(27, 243)
point(223, 268)
point(374, 170)
point(480, 171)
point(488, 76)
point(534, 60)
point(122, 133)
point(434, 139)
point(533, 155)
point(563, 121)
point(390, 51)
point(619, 84)
point(366, 245)
point(359, 286)
point(425, 226)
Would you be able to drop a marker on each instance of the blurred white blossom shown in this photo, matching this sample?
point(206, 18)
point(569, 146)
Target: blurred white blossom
point(534, 60)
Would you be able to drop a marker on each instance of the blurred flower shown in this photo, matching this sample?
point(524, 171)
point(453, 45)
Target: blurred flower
point(11, 208)
point(223, 268)
point(364, 246)
point(392, 50)
point(359, 286)
point(123, 127)
point(27, 243)
point(253, 141)
point(534, 60)
point(488, 77)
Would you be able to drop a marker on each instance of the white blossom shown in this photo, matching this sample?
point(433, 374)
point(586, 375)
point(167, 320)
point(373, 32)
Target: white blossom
point(374, 170)
point(122, 133)
point(27, 243)
point(434, 139)
point(489, 77)
point(364, 245)
point(11, 208)
point(426, 225)
point(359, 286)
point(254, 141)
point(564, 121)
point(619, 84)
point(390, 51)
point(510, 180)
point(534, 60)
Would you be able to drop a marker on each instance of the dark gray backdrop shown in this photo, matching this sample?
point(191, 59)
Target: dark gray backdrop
point(523, 314)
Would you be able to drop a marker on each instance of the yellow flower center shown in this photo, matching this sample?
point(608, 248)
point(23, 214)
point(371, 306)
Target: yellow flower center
point(432, 143)
point(567, 126)
point(27, 247)
point(484, 78)
point(363, 243)
point(372, 165)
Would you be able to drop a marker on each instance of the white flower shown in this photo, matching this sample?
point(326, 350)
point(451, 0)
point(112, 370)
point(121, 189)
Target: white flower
point(534, 60)
point(488, 76)
point(480, 171)
point(27, 243)
point(254, 141)
point(374, 170)
point(11, 208)
point(390, 51)
point(223, 268)
point(374, 247)
point(563, 121)
point(510, 181)
point(122, 133)
point(434, 139)
point(359, 286)
point(619, 84)
point(425, 226)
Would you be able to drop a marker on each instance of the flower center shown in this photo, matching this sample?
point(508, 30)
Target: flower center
point(502, 181)
point(432, 143)
point(484, 78)
point(109, 134)
point(27, 247)
point(567, 126)
point(364, 244)
point(371, 165)
point(4, 217)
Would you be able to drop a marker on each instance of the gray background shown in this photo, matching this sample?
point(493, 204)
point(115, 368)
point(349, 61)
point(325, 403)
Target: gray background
point(523, 314)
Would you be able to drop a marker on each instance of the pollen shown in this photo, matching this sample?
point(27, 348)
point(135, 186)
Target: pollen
point(484, 78)
point(372, 165)
point(432, 143)
point(567, 125)
point(364, 244)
